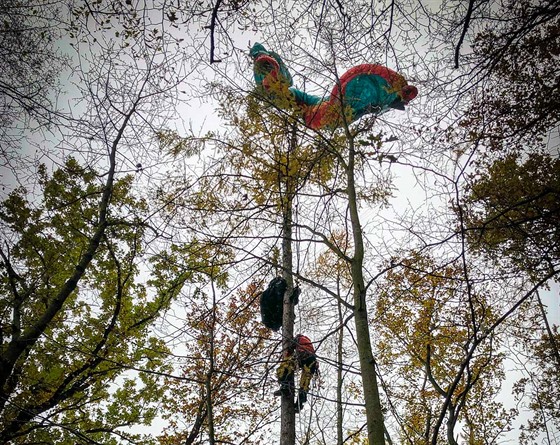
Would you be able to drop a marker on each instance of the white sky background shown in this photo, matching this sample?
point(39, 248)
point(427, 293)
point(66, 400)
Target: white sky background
point(200, 116)
point(411, 196)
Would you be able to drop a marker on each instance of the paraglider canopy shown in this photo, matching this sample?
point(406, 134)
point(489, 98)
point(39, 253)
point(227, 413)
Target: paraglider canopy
point(364, 89)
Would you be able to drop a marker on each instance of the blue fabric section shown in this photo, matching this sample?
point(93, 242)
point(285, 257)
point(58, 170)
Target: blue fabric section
point(368, 93)
point(258, 50)
point(303, 98)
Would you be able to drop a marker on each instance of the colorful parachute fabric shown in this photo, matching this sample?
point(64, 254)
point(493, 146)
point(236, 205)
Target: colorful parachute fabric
point(362, 90)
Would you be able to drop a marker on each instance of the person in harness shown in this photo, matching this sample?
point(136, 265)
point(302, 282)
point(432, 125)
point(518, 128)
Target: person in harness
point(300, 356)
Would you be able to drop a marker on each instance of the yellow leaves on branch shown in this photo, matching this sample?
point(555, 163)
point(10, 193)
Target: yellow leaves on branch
point(432, 302)
point(271, 148)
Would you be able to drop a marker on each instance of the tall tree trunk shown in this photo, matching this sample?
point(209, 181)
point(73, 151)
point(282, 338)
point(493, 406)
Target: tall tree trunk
point(288, 414)
point(374, 415)
point(552, 341)
point(339, 413)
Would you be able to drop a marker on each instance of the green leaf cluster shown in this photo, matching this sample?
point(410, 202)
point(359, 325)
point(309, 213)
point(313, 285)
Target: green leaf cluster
point(513, 212)
point(61, 389)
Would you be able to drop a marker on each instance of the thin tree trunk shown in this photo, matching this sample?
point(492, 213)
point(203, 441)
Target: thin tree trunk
point(552, 341)
point(209, 409)
point(339, 413)
point(374, 415)
point(452, 419)
point(288, 414)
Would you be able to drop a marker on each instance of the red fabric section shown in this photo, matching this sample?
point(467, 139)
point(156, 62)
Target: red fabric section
point(314, 115)
point(264, 59)
point(409, 92)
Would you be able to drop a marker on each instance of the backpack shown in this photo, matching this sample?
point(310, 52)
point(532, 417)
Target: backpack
point(272, 303)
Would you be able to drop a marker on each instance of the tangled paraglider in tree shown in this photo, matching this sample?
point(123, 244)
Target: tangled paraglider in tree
point(364, 89)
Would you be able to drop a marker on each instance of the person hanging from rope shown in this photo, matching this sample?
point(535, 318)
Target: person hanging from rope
point(302, 356)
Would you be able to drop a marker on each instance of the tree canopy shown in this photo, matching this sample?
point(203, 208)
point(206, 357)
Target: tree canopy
point(150, 191)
